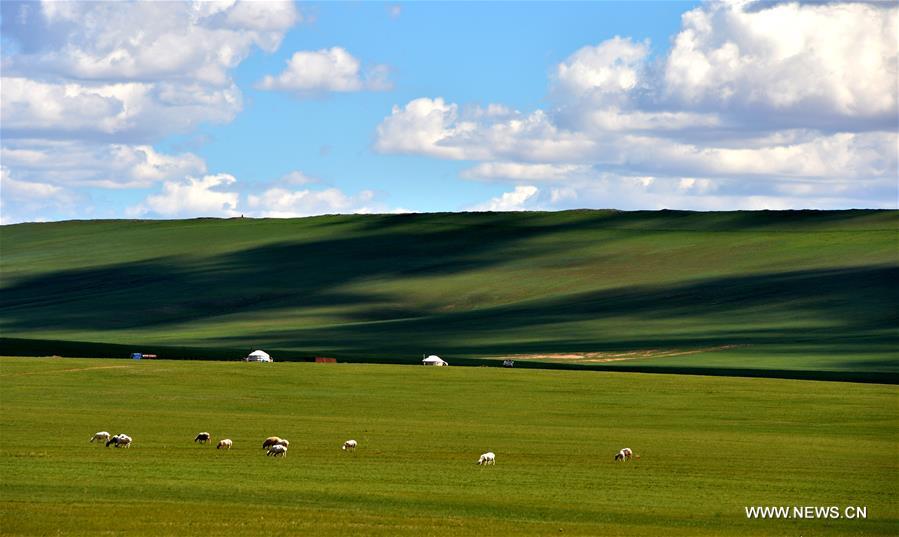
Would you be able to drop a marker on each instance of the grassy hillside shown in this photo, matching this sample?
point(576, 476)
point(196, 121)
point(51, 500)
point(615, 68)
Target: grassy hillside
point(709, 448)
point(780, 290)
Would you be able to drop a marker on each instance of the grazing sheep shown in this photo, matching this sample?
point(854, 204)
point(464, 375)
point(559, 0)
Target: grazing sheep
point(487, 458)
point(224, 444)
point(625, 455)
point(202, 438)
point(277, 450)
point(120, 440)
point(270, 441)
point(349, 445)
point(102, 436)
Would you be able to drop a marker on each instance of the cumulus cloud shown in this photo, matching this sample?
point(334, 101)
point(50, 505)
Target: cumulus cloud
point(27, 200)
point(517, 200)
point(517, 171)
point(87, 87)
point(284, 203)
point(609, 69)
point(142, 41)
point(133, 71)
point(76, 164)
point(133, 111)
point(326, 70)
point(20, 190)
point(627, 192)
point(191, 197)
point(832, 65)
point(436, 128)
point(420, 127)
point(739, 108)
point(222, 195)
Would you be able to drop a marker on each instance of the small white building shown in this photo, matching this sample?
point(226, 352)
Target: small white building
point(258, 356)
point(434, 360)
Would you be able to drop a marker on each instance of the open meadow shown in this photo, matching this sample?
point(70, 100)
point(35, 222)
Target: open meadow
point(791, 290)
point(709, 447)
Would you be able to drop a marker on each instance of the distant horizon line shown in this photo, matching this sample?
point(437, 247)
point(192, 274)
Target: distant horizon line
point(466, 212)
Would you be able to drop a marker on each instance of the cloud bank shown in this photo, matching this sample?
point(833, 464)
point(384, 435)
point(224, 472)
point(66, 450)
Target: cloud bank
point(754, 106)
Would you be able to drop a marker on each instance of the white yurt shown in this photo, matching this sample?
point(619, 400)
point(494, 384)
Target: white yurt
point(258, 356)
point(433, 360)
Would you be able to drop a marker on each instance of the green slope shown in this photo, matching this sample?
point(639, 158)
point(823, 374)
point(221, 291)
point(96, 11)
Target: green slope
point(774, 290)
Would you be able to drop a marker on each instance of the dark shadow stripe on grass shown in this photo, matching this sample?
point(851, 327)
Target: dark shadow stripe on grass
point(36, 347)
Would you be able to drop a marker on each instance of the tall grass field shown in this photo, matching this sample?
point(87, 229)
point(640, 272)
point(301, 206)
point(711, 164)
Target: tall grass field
point(709, 447)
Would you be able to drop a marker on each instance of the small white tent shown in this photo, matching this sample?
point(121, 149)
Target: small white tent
point(258, 356)
point(433, 360)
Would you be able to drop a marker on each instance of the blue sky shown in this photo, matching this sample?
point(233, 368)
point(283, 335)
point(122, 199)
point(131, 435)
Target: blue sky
point(171, 110)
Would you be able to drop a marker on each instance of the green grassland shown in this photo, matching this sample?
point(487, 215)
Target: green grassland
point(709, 447)
point(795, 290)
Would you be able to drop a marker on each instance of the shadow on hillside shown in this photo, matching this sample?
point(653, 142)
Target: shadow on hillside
point(849, 310)
point(835, 311)
point(664, 220)
point(302, 274)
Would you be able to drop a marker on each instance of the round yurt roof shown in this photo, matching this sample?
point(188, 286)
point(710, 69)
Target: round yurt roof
point(260, 354)
point(433, 359)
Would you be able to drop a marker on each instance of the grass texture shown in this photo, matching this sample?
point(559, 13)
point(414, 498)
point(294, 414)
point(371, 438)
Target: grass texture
point(709, 447)
point(792, 290)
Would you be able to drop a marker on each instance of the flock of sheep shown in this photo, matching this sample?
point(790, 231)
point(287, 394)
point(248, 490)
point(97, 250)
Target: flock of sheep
point(120, 440)
point(274, 445)
point(277, 447)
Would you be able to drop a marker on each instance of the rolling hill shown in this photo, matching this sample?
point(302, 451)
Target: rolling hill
point(777, 291)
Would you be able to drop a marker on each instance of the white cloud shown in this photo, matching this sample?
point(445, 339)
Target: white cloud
point(436, 128)
point(150, 41)
point(326, 70)
point(139, 70)
point(297, 177)
point(532, 147)
point(703, 194)
point(22, 190)
point(25, 200)
point(136, 111)
point(74, 164)
point(191, 197)
point(866, 156)
point(739, 108)
point(87, 87)
point(268, 16)
point(613, 67)
point(821, 64)
point(284, 203)
point(526, 172)
point(419, 127)
point(517, 200)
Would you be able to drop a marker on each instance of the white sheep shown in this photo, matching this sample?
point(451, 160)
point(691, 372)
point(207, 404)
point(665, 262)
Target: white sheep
point(349, 445)
point(224, 444)
point(102, 436)
point(270, 441)
point(277, 450)
point(203, 438)
point(487, 458)
point(120, 440)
